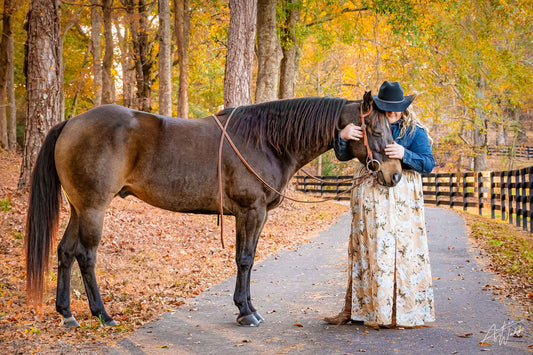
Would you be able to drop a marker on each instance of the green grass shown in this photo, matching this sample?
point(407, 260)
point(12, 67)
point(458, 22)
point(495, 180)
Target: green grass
point(17, 235)
point(5, 205)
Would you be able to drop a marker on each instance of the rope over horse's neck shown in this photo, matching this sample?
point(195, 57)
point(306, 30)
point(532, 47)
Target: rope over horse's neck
point(224, 134)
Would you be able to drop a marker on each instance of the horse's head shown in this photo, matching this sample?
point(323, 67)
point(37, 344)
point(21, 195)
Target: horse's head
point(379, 134)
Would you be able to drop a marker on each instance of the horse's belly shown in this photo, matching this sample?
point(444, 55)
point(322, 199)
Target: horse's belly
point(177, 196)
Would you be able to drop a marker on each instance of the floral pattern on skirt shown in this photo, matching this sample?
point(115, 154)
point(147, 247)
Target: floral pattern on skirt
point(389, 272)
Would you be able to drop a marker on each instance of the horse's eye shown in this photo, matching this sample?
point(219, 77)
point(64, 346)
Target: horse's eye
point(377, 133)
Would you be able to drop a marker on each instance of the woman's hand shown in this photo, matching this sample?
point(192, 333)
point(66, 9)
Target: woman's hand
point(395, 151)
point(351, 132)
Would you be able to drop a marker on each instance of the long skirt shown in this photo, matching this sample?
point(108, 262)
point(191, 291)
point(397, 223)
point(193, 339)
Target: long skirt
point(389, 272)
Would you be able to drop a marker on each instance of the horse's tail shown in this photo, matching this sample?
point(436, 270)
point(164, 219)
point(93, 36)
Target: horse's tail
point(42, 216)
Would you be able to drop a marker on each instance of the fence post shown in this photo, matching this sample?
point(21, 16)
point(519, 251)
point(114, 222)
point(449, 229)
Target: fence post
point(524, 197)
point(502, 194)
point(510, 195)
point(451, 190)
point(437, 199)
point(530, 193)
point(479, 192)
point(492, 197)
point(518, 198)
point(465, 188)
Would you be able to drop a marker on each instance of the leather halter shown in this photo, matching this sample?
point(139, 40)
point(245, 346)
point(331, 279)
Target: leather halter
point(369, 156)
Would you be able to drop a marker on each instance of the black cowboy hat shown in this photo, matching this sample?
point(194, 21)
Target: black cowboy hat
point(390, 98)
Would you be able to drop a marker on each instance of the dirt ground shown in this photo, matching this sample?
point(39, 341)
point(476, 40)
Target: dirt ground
point(149, 262)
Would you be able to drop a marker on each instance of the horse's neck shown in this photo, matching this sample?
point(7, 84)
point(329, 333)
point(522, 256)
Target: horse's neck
point(309, 155)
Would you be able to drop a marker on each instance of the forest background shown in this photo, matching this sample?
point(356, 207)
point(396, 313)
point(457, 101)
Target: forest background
point(469, 62)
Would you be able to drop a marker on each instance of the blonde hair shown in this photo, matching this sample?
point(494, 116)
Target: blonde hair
point(410, 122)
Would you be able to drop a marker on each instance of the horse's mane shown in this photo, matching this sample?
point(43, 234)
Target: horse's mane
point(288, 125)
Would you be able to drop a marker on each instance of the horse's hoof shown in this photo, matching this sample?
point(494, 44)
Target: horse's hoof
point(110, 323)
point(248, 320)
point(70, 322)
point(259, 318)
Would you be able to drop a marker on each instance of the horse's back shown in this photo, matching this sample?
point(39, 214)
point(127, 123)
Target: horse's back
point(97, 149)
point(113, 150)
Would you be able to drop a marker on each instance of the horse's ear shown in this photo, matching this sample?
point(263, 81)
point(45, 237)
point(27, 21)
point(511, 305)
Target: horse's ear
point(367, 101)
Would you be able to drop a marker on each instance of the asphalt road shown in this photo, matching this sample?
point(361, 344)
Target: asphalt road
point(297, 288)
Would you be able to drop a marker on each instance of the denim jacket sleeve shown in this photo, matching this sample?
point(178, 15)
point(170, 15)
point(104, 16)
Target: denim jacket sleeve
point(418, 153)
point(342, 152)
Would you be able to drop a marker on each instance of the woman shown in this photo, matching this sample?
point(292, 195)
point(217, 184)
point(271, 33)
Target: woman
point(389, 280)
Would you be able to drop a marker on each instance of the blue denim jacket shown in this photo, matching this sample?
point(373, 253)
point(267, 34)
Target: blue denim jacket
point(418, 154)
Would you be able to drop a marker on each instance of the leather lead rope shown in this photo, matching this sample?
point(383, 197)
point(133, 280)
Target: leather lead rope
point(224, 133)
point(369, 156)
point(223, 128)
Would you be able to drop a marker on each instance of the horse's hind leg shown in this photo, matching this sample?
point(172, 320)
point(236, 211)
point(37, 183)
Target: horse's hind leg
point(65, 254)
point(91, 223)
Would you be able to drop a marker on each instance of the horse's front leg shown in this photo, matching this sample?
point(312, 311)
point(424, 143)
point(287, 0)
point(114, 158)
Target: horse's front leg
point(249, 225)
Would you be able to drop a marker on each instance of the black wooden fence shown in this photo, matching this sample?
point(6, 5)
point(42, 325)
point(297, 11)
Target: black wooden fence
point(519, 152)
point(506, 195)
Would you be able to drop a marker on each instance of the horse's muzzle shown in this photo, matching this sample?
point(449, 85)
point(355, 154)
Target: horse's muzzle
point(394, 179)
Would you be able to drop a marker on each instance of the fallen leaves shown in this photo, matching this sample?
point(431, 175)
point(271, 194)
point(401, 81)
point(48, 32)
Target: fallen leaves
point(149, 262)
point(466, 335)
point(507, 251)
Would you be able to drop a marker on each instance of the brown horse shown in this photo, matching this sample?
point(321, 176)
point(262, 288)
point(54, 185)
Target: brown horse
point(171, 163)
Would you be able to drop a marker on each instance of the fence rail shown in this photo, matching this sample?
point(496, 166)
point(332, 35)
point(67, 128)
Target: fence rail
point(506, 193)
point(519, 152)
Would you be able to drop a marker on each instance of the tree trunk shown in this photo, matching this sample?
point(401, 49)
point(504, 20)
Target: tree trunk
point(141, 52)
point(240, 55)
point(10, 81)
point(501, 133)
point(108, 86)
point(44, 78)
point(7, 33)
point(96, 50)
point(480, 132)
point(182, 28)
point(268, 52)
point(128, 68)
point(74, 108)
point(289, 46)
point(3, 118)
point(165, 60)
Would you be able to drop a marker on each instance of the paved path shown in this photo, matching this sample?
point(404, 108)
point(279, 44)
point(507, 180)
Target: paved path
point(295, 290)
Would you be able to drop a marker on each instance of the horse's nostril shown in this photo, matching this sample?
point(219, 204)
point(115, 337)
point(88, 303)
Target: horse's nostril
point(396, 177)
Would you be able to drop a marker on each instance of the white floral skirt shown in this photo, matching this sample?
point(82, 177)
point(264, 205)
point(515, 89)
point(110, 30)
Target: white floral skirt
point(389, 272)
